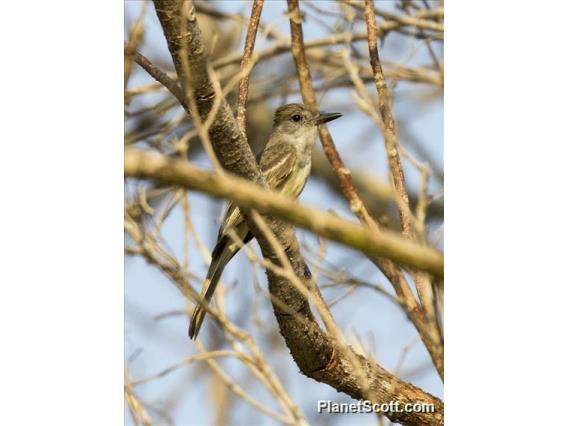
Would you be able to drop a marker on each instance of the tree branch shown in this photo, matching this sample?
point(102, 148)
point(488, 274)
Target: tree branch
point(171, 171)
point(388, 121)
point(155, 72)
point(245, 63)
point(417, 20)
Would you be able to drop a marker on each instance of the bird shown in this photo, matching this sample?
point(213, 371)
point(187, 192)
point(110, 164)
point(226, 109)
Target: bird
point(285, 164)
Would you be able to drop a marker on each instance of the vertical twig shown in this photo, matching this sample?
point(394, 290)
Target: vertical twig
point(246, 69)
point(388, 121)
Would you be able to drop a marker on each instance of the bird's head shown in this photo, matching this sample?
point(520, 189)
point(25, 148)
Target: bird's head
point(294, 119)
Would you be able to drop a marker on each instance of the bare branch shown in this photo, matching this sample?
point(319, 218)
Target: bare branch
point(418, 20)
point(170, 171)
point(388, 120)
point(156, 73)
point(247, 55)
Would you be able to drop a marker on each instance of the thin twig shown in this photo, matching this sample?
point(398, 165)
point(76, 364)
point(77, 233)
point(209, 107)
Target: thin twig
point(241, 393)
point(135, 35)
point(247, 55)
point(388, 120)
point(156, 73)
point(418, 20)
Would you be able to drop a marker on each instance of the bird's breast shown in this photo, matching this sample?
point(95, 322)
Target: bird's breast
point(296, 183)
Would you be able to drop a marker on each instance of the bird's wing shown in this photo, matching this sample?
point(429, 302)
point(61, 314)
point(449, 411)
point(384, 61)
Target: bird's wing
point(232, 218)
point(276, 164)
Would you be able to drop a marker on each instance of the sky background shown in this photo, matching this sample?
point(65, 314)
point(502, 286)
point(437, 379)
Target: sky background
point(152, 345)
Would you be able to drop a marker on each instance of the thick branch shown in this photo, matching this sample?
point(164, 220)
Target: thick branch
point(170, 171)
point(185, 43)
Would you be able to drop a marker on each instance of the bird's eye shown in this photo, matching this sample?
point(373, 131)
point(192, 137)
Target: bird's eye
point(296, 117)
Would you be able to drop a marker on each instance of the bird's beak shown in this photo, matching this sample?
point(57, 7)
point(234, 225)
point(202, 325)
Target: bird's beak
point(326, 117)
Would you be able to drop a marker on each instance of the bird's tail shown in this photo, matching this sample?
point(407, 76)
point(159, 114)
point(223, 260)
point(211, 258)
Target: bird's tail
point(222, 253)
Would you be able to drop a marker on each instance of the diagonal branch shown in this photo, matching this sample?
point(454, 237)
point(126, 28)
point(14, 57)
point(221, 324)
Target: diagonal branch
point(158, 75)
point(171, 171)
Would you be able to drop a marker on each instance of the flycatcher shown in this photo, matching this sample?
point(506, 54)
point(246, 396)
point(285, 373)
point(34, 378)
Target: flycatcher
point(285, 164)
